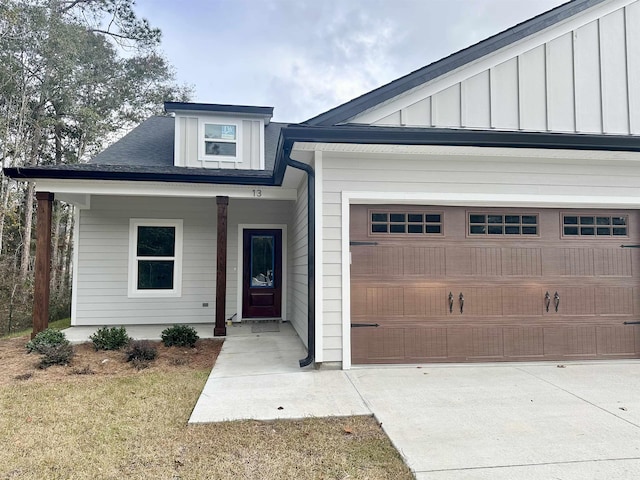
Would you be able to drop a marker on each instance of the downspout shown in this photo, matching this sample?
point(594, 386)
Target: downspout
point(311, 258)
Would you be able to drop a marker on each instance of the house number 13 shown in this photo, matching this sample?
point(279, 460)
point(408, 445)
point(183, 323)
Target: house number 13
point(257, 193)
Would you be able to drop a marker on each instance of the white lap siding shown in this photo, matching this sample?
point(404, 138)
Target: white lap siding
point(446, 179)
point(298, 264)
point(103, 256)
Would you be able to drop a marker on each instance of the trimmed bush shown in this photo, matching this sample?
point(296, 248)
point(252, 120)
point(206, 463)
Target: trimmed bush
point(113, 338)
point(179, 336)
point(140, 353)
point(60, 354)
point(46, 339)
point(141, 350)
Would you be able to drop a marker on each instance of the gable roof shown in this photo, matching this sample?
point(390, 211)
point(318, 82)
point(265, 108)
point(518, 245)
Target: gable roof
point(348, 110)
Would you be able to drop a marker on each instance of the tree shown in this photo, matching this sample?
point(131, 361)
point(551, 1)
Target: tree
point(73, 73)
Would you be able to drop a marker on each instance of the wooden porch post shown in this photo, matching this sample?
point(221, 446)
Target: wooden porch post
point(220, 329)
point(43, 262)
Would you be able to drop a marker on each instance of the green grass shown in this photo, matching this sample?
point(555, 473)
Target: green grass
point(57, 325)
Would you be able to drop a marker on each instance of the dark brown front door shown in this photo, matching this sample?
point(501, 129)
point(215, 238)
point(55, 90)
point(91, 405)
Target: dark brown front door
point(262, 274)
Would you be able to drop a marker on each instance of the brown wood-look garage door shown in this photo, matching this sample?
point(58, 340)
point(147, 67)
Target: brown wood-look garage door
point(476, 284)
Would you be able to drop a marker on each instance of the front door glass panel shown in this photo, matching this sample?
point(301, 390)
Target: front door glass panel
point(262, 261)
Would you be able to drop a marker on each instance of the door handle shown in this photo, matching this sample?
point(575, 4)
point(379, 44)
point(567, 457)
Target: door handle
point(461, 300)
point(547, 301)
point(556, 300)
point(450, 302)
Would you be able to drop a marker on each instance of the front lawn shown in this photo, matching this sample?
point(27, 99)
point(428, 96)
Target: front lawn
point(100, 418)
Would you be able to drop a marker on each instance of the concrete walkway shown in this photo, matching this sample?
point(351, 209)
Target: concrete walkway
point(494, 421)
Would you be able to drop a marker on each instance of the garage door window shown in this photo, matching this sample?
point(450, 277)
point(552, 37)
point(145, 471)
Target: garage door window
point(594, 226)
point(509, 224)
point(411, 223)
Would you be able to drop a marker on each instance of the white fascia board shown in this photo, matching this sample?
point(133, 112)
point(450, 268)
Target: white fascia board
point(484, 63)
point(79, 200)
point(494, 153)
point(163, 189)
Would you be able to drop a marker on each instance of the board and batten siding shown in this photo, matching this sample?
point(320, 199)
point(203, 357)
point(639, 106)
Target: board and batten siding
point(448, 175)
point(103, 257)
point(298, 264)
point(250, 139)
point(582, 76)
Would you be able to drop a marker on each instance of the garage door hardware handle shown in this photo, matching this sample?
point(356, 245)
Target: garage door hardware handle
point(556, 300)
point(450, 302)
point(461, 300)
point(629, 246)
point(354, 325)
point(631, 323)
point(547, 300)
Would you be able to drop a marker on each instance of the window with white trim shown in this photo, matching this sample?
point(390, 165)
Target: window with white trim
point(155, 258)
point(219, 139)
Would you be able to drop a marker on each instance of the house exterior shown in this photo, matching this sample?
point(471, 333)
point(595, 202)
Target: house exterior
point(482, 208)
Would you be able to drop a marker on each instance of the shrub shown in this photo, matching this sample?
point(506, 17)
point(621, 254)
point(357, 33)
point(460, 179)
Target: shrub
point(60, 354)
point(46, 339)
point(141, 350)
point(179, 336)
point(112, 338)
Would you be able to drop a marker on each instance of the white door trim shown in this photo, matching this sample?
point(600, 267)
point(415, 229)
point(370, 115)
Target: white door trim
point(285, 273)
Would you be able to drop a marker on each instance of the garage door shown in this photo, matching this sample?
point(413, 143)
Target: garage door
point(434, 284)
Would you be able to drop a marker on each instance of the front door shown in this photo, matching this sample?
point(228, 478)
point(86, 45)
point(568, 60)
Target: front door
point(262, 273)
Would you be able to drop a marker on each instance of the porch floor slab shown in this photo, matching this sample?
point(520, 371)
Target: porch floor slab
point(81, 334)
point(257, 376)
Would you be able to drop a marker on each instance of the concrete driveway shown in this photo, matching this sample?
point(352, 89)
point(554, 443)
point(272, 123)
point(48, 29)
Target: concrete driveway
point(494, 421)
point(516, 421)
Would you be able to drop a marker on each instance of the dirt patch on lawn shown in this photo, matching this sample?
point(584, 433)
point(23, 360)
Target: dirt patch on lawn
point(16, 365)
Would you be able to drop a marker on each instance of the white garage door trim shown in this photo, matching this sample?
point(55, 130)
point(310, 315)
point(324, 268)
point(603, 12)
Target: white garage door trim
point(451, 199)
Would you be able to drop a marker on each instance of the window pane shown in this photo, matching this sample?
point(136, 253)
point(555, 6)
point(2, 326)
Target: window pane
point(529, 219)
point(262, 260)
point(156, 241)
point(603, 221)
point(397, 228)
point(379, 228)
point(495, 229)
point(476, 218)
point(571, 230)
point(529, 230)
point(603, 231)
point(477, 229)
point(512, 219)
point(587, 231)
point(220, 148)
point(512, 230)
point(571, 221)
point(219, 132)
point(620, 231)
point(619, 220)
point(397, 217)
point(586, 220)
point(415, 228)
point(432, 228)
point(378, 217)
point(495, 218)
point(415, 217)
point(155, 274)
point(433, 218)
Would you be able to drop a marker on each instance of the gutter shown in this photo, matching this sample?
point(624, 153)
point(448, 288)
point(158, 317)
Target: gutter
point(311, 257)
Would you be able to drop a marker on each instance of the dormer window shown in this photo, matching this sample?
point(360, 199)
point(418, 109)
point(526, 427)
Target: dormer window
point(220, 139)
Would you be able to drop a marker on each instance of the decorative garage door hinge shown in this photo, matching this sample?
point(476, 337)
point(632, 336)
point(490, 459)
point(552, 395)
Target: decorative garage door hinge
point(355, 325)
point(360, 244)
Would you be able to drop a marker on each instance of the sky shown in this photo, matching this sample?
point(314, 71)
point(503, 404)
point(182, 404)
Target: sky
point(304, 57)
